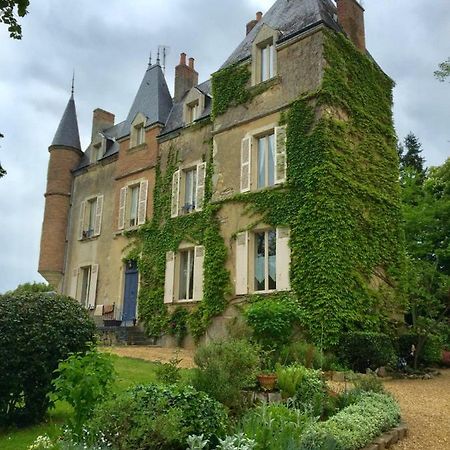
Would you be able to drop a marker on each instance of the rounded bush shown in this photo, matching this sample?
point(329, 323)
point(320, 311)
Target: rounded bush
point(158, 417)
point(362, 350)
point(225, 368)
point(37, 331)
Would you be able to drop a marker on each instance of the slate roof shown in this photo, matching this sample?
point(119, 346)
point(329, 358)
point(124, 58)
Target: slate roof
point(175, 119)
point(153, 99)
point(67, 134)
point(290, 17)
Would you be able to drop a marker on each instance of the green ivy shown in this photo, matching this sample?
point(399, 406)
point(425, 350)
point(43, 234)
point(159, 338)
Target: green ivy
point(164, 234)
point(229, 88)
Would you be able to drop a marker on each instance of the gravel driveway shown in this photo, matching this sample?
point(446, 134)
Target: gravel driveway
point(425, 408)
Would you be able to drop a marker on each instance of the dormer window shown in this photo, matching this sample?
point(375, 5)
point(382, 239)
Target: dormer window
point(267, 58)
point(137, 132)
point(193, 112)
point(98, 150)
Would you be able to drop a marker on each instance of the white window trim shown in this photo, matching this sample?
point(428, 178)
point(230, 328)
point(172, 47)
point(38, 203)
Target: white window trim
point(124, 204)
point(97, 221)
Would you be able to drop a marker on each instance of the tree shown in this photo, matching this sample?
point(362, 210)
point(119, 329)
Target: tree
point(412, 158)
point(426, 211)
point(444, 71)
point(8, 15)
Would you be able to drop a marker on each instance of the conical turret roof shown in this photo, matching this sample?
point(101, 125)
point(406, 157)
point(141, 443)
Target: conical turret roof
point(67, 134)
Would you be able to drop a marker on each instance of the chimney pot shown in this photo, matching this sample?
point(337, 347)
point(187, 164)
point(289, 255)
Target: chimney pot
point(186, 77)
point(254, 22)
point(191, 63)
point(259, 15)
point(183, 59)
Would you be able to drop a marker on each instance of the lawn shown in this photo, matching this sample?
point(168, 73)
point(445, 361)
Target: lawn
point(129, 372)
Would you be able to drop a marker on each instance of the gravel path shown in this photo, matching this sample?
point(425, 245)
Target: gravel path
point(425, 408)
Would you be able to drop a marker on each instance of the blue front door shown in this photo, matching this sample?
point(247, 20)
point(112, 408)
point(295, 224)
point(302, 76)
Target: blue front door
point(130, 293)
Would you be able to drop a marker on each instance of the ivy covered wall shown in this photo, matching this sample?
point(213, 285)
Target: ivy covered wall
point(341, 201)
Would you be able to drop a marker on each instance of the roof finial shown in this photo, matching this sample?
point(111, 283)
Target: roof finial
point(158, 60)
point(150, 60)
point(73, 82)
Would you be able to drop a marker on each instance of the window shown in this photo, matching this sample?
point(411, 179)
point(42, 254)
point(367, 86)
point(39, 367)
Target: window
point(186, 283)
point(265, 273)
point(98, 150)
point(91, 211)
point(184, 275)
point(133, 205)
point(140, 134)
point(188, 190)
point(263, 159)
point(137, 131)
point(84, 285)
point(266, 161)
point(262, 261)
point(193, 112)
point(267, 59)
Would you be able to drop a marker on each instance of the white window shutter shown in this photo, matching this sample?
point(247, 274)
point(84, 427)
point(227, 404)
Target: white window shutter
point(142, 209)
point(242, 263)
point(93, 285)
point(98, 216)
point(170, 277)
point(283, 258)
point(122, 207)
point(81, 223)
point(280, 155)
point(199, 256)
point(175, 193)
point(246, 155)
point(200, 193)
point(74, 283)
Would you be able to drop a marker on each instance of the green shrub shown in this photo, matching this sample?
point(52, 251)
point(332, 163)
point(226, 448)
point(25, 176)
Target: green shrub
point(178, 326)
point(158, 417)
point(355, 426)
point(275, 427)
point(368, 383)
point(308, 355)
point(169, 373)
point(362, 350)
point(431, 352)
point(224, 368)
point(272, 321)
point(84, 380)
point(311, 392)
point(37, 331)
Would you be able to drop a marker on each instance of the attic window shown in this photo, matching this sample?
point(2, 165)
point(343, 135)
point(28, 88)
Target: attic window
point(193, 111)
point(267, 60)
point(98, 150)
point(139, 133)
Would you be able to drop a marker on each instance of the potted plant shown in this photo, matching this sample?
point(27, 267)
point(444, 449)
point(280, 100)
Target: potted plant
point(267, 378)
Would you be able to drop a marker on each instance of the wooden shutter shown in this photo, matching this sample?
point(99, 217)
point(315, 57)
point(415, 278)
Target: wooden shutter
point(122, 207)
point(199, 256)
point(81, 223)
point(246, 151)
point(175, 193)
point(170, 277)
point(242, 263)
point(142, 209)
point(98, 216)
point(93, 285)
point(200, 192)
point(74, 283)
point(280, 155)
point(283, 259)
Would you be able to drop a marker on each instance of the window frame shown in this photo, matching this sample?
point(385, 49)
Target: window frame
point(132, 205)
point(266, 138)
point(252, 256)
point(190, 276)
point(86, 274)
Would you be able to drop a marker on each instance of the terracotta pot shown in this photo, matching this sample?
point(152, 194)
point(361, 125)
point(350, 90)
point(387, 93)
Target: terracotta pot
point(446, 357)
point(267, 381)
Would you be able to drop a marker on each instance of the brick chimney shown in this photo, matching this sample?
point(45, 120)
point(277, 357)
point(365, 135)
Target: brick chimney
point(101, 120)
point(254, 22)
point(351, 19)
point(186, 77)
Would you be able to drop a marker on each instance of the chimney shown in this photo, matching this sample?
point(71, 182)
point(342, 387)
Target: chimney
point(254, 22)
point(101, 120)
point(351, 19)
point(186, 77)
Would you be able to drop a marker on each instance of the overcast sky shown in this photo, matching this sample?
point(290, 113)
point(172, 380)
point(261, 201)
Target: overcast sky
point(107, 42)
